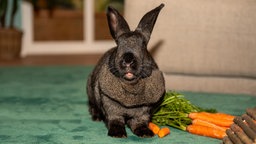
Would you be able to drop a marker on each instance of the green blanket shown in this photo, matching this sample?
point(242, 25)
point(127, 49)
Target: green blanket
point(48, 105)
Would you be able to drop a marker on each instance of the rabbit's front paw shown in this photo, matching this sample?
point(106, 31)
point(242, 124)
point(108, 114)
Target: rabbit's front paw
point(143, 131)
point(117, 130)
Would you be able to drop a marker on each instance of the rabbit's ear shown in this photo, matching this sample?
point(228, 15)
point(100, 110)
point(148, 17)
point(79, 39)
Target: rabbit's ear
point(147, 22)
point(116, 22)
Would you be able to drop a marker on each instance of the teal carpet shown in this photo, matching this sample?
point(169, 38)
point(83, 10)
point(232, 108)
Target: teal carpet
point(48, 105)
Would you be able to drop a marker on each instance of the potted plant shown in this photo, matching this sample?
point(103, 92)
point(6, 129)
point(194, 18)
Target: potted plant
point(10, 37)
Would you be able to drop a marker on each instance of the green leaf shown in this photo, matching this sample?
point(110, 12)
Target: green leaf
point(174, 110)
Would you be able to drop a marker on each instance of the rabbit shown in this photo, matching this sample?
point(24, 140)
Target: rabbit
point(126, 84)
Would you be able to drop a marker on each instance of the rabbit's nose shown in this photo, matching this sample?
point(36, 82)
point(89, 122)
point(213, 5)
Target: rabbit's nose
point(128, 58)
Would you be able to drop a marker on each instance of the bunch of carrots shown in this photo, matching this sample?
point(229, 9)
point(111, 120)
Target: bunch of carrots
point(203, 123)
point(178, 112)
point(210, 124)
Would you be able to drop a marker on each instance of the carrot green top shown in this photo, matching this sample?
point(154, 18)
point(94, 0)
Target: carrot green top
point(174, 110)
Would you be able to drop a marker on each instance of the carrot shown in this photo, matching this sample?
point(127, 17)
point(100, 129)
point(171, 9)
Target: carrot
point(153, 127)
point(163, 132)
point(208, 124)
point(220, 115)
point(206, 131)
point(213, 119)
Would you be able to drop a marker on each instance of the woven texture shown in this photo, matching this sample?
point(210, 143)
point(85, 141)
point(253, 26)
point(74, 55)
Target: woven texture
point(10, 43)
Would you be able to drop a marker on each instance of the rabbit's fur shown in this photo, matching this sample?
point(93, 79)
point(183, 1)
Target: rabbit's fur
point(126, 83)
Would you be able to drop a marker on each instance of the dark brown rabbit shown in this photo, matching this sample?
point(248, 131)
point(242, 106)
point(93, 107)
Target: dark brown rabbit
point(126, 83)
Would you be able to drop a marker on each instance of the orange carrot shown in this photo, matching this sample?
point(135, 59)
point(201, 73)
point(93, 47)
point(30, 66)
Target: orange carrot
point(220, 115)
point(206, 131)
point(208, 124)
point(153, 127)
point(213, 119)
point(163, 132)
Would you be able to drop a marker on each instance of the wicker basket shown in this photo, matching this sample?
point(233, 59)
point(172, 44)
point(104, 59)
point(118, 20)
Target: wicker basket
point(10, 43)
